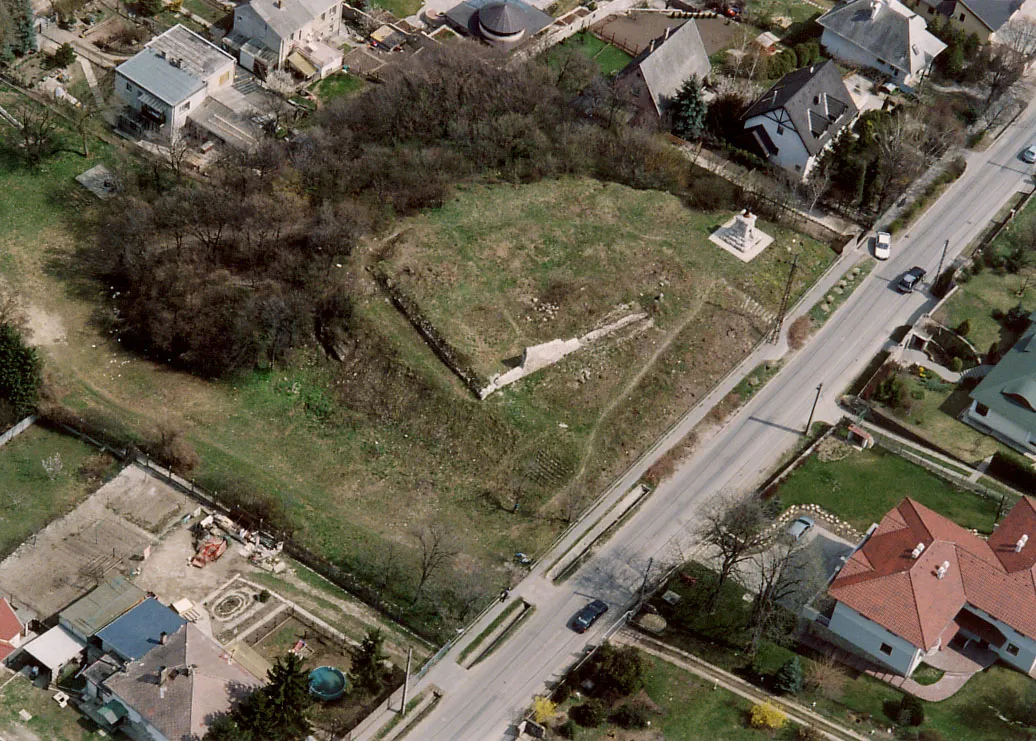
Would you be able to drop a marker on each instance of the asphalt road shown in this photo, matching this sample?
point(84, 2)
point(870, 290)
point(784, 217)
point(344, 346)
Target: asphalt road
point(483, 703)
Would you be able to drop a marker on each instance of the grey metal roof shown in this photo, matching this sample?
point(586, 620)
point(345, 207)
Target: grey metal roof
point(99, 607)
point(994, 13)
point(896, 34)
point(195, 55)
point(1010, 388)
point(502, 18)
point(467, 15)
point(673, 62)
point(160, 78)
point(286, 17)
point(804, 94)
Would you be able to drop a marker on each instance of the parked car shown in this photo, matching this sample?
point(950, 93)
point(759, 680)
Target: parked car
point(911, 279)
point(800, 527)
point(1029, 155)
point(883, 246)
point(588, 616)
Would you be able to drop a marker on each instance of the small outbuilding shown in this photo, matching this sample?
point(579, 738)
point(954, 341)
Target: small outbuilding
point(53, 650)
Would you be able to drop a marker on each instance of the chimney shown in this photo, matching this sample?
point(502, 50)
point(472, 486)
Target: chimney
point(163, 675)
point(651, 46)
point(943, 568)
point(668, 29)
point(1021, 543)
point(163, 638)
point(916, 553)
point(875, 8)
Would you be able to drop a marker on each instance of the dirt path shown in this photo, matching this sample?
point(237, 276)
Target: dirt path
point(632, 384)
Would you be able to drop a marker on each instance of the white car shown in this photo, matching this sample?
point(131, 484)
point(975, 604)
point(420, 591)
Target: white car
point(1029, 155)
point(883, 246)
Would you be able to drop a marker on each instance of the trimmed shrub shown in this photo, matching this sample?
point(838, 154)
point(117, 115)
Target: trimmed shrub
point(964, 328)
point(956, 364)
point(910, 711)
point(1014, 470)
point(590, 714)
point(630, 717)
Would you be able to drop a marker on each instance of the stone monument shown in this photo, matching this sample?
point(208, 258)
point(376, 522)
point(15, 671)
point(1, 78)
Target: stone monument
point(740, 237)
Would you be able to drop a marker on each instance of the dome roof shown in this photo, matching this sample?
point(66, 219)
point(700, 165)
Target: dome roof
point(502, 19)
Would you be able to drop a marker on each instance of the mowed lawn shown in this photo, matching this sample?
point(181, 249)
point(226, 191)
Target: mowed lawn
point(29, 497)
point(337, 86)
point(688, 708)
point(49, 722)
point(488, 266)
point(610, 59)
point(399, 8)
point(862, 487)
point(976, 300)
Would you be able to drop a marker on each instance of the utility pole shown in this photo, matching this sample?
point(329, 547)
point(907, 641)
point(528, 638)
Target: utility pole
point(812, 411)
point(775, 335)
point(643, 584)
point(945, 246)
point(406, 680)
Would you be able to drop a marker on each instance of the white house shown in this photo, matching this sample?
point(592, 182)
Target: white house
point(269, 34)
point(168, 80)
point(884, 35)
point(920, 584)
point(799, 117)
point(1004, 403)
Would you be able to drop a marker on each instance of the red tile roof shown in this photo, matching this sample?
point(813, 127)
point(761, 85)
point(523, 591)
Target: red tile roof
point(10, 625)
point(884, 582)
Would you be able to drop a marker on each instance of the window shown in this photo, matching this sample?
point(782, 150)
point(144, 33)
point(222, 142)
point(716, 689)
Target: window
point(186, 106)
point(886, 649)
point(323, 16)
point(981, 410)
point(780, 131)
point(1012, 649)
point(961, 17)
point(128, 86)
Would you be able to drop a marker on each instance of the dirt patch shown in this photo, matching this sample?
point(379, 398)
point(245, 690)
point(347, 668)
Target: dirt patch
point(45, 327)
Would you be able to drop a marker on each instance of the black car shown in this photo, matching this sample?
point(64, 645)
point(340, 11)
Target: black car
point(588, 616)
point(911, 279)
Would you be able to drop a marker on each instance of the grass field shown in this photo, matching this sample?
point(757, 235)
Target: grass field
point(976, 300)
point(363, 455)
point(610, 59)
point(688, 708)
point(337, 86)
point(203, 9)
point(399, 8)
point(49, 721)
point(28, 496)
point(862, 487)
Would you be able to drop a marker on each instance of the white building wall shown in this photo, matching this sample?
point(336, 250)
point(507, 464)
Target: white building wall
point(249, 25)
point(842, 48)
point(868, 636)
point(791, 152)
point(129, 93)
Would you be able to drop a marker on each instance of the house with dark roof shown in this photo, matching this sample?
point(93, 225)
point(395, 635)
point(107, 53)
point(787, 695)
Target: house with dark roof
point(169, 80)
point(98, 607)
point(500, 23)
point(1004, 402)
point(800, 116)
point(139, 630)
point(884, 35)
point(920, 584)
point(656, 75)
point(980, 17)
point(173, 693)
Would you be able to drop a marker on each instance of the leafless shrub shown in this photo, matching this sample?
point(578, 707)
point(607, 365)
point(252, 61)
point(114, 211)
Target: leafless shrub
point(799, 332)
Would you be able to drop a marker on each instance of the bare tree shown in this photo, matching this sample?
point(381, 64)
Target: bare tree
point(82, 117)
point(827, 676)
point(436, 551)
point(898, 139)
point(787, 576)
point(573, 70)
point(818, 184)
point(732, 530)
point(1003, 69)
point(37, 133)
point(1019, 35)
